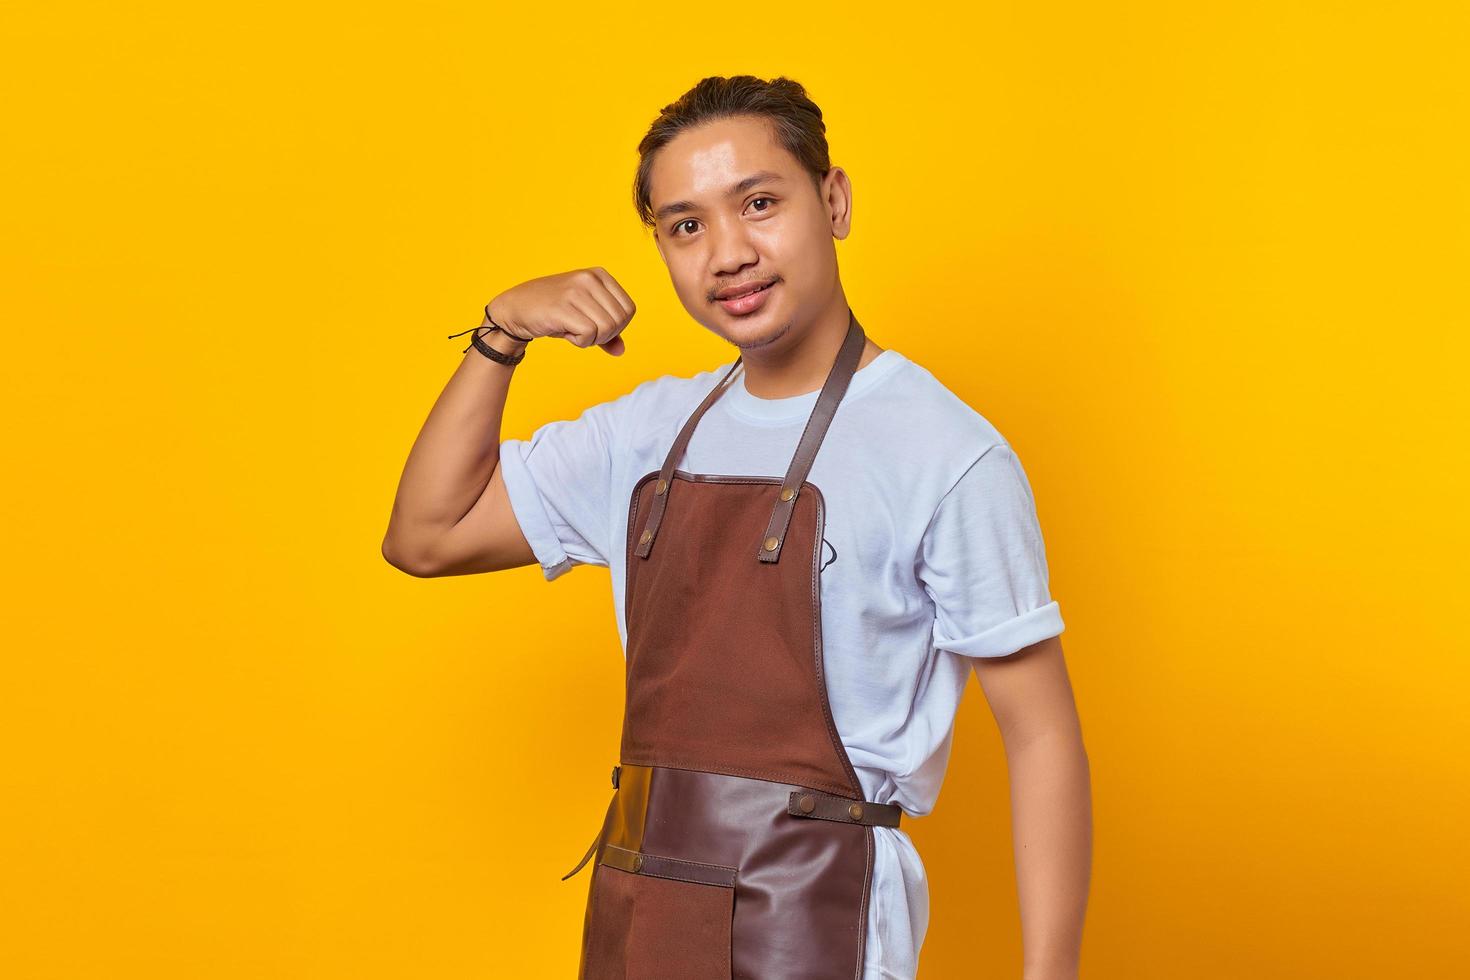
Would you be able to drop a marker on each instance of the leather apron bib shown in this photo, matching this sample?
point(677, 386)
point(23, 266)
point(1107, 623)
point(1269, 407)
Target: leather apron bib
point(737, 843)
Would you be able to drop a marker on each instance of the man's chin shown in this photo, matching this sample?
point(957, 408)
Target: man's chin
point(753, 336)
point(751, 332)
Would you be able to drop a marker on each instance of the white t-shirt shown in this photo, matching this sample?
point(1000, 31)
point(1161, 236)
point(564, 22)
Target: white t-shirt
point(933, 554)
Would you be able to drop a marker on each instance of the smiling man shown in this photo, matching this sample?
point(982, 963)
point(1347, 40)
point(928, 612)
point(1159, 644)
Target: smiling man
point(811, 547)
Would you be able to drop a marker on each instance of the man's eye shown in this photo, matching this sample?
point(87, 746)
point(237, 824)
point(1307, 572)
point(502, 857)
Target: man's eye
point(681, 224)
point(763, 199)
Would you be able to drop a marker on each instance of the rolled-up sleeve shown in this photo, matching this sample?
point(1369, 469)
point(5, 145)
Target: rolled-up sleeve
point(560, 486)
point(983, 562)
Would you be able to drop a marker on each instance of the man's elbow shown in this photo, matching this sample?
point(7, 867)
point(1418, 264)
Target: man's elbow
point(415, 561)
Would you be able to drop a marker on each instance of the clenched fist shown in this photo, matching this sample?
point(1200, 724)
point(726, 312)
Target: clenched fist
point(586, 306)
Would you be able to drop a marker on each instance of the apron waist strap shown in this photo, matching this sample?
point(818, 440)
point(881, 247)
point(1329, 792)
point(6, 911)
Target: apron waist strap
point(825, 806)
point(802, 803)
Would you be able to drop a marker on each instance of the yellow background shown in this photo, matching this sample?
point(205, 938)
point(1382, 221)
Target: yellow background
point(1204, 265)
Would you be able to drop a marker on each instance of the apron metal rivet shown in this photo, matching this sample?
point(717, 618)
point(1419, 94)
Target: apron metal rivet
point(788, 493)
point(638, 863)
point(771, 544)
point(662, 486)
point(808, 804)
point(856, 810)
point(645, 537)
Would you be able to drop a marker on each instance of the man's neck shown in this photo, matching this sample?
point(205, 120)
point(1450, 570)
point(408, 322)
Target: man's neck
point(802, 366)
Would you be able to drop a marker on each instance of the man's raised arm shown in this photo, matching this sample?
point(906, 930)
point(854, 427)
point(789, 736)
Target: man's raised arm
point(451, 514)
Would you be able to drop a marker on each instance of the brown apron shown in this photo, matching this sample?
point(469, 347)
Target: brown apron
point(737, 843)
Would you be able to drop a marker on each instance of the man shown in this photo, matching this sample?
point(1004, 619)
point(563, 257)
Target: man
point(923, 539)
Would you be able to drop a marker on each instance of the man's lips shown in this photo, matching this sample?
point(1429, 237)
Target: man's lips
point(735, 292)
point(747, 301)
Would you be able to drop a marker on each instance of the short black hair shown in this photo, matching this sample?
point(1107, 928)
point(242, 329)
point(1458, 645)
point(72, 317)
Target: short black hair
point(795, 119)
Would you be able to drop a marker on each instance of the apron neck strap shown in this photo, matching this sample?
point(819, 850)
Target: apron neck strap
point(844, 366)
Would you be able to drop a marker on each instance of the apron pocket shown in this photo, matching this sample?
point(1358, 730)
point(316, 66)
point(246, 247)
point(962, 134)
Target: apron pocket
point(654, 917)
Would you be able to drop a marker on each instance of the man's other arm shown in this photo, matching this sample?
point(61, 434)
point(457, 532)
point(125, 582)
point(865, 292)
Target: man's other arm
point(1051, 806)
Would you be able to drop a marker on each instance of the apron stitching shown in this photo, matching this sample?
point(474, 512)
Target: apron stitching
point(628, 550)
point(863, 915)
point(856, 787)
point(665, 857)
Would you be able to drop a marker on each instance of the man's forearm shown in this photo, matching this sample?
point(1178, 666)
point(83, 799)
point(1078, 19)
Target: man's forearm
point(455, 453)
point(1051, 820)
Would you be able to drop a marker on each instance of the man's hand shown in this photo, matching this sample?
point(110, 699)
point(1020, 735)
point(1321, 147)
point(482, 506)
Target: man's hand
point(586, 306)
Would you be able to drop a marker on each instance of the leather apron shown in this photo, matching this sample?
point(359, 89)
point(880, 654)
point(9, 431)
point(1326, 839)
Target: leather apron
point(737, 843)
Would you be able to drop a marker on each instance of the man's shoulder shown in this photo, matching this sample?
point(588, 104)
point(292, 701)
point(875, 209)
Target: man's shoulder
point(675, 388)
point(935, 413)
point(668, 393)
point(655, 400)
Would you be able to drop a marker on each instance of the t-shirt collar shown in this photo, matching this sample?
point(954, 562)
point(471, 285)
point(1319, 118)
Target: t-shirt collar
point(738, 400)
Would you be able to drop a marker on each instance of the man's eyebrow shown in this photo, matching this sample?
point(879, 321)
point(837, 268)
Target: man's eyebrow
point(759, 177)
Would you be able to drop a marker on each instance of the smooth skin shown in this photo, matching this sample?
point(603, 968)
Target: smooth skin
point(732, 207)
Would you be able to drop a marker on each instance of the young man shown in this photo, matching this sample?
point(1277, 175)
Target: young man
point(811, 546)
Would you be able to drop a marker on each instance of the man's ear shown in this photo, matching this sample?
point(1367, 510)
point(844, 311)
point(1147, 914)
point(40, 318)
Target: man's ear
point(658, 243)
point(837, 195)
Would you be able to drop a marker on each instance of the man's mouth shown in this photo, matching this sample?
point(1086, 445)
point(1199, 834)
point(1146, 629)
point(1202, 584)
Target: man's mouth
point(746, 299)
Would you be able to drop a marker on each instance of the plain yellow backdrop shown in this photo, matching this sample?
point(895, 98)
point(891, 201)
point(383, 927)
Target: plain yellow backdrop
point(1204, 265)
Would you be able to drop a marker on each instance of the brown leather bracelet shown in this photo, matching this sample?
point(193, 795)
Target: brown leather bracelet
point(477, 340)
point(479, 344)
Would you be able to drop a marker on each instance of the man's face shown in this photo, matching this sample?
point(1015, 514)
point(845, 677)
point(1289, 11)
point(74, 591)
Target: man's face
point(734, 209)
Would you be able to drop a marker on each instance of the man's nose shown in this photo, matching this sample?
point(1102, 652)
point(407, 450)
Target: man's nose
point(730, 247)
